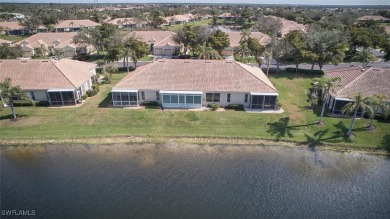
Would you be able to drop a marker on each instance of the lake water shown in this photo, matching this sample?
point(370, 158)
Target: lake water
point(191, 181)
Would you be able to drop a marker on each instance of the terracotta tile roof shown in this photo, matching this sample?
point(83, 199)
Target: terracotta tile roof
point(356, 79)
point(46, 74)
point(235, 38)
point(197, 75)
point(225, 15)
point(5, 41)
point(373, 17)
point(121, 21)
point(11, 25)
point(65, 38)
point(160, 38)
point(288, 25)
point(77, 24)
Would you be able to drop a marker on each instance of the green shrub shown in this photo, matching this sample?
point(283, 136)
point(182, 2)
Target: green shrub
point(235, 107)
point(214, 106)
point(150, 103)
point(84, 97)
point(94, 91)
point(305, 71)
point(24, 103)
point(42, 103)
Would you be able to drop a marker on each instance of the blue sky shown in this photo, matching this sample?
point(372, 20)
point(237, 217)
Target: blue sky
point(305, 2)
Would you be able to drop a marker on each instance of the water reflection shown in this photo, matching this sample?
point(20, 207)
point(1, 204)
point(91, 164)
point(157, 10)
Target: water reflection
point(196, 181)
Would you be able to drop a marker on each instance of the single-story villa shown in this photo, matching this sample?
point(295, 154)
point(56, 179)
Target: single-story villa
point(288, 26)
point(374, 17)
point(226, 16)
point(179, 19)
point(160, 42)
point(127, 23)
point(235, 37)
point(59, 83)
point(191, 83)
point(13, 28)
point(355, 80)
point(75, 25)
point(51, 42)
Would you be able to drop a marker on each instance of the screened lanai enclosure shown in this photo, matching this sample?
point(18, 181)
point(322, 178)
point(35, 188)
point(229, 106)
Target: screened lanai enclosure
point(181, 99)
point(336, 106)
point(125, 98)
point(263, 101)
point(62, 97)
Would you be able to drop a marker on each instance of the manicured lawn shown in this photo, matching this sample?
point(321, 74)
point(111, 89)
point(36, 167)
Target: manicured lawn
point(194, 24)
point(13, 38)
point(94, 119)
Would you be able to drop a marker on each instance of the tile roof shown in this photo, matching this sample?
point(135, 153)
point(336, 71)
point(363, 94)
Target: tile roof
point(46, 74)
point(226, 15)
point(197, 75)
point(160, 38)
point(235, 38)
point(5, 41)
point(11, 25)
point(65, 38)
point(121, 21)
point(373, 17)
point(356, 79)
point(288, 25)
point(76, 24)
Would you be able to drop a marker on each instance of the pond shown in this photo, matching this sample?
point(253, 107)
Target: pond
point(193, 181)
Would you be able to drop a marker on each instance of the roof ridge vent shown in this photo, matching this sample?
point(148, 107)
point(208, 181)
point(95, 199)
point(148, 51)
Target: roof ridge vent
point(45, 60)
point(187, 61)
point(229, 61)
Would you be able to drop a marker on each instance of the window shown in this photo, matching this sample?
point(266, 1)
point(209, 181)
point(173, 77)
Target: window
point(32, 94)
point(213, 97)
point(246, 98)
point(157, 95)
point(142, 95)
point(228, 97)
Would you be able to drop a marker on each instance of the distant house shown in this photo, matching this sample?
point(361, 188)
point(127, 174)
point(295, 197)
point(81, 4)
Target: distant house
point(288, 26)
point(177, 83)
point(75, 25)
point(235, 37)
point(160, 42)
point(226, 16)
point(58, 82)
point(51, 42)
point(179, 19)
point(13, 28)
point(14, 16)
point(42, 29)
point(127, 23)
point(375, 18)
point(355, 80)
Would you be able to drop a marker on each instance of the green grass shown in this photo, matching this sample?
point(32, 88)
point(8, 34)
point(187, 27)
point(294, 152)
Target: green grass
point(12, 37)
point(246, 59)
point(194, 24)
point(147, 58)
point(94, 119)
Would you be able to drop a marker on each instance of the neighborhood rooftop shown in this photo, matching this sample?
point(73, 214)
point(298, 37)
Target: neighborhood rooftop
point(46, 74)
point(155, 37)
point(368, 81)
point(288, 25)
point(198, 75)
point(235, 37)
point(63, 38)
point(76, 24)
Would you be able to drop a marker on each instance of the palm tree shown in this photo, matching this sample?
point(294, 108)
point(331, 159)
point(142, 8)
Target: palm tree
point(43, 50)
point(325, 85)
point(206, 52)
point(365, 57)
point(377, 102)
point(358, 102)
point(71, 24)
point(9, 94)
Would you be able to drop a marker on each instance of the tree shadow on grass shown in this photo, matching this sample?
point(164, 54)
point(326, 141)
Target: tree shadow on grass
point(106, 102)
point(11, 117)
point(281, 129)
point(386, 143)
point(318, 138)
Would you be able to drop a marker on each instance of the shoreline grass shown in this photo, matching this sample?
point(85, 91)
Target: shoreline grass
point(95, 119)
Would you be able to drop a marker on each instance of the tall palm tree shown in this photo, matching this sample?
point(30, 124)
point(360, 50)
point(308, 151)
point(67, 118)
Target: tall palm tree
point(353, 107)
point(206, 52)
point(325, 85)
point(377, 102)
point(365, 57)
point(9, 94)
